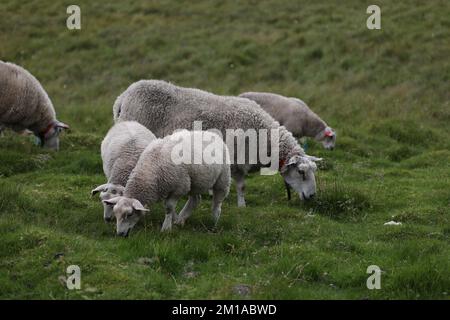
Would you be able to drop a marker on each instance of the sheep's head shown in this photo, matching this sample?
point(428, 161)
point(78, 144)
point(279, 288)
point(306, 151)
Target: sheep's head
point(327, 137)
point(127, 211)
point(108, 191)
point(298, 173)
point(49, 138)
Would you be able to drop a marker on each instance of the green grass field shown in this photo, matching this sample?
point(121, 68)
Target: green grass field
point(386, 92)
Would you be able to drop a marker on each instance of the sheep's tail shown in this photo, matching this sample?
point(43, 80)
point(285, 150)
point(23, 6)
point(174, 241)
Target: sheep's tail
point(117, 108)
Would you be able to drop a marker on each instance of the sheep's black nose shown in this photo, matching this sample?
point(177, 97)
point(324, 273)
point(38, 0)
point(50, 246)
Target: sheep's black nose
point(305, 197)
point(123, 234)
point(108, 219)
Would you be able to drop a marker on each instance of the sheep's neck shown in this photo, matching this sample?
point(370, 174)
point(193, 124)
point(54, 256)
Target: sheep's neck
point(288, 145)
point(45, 117)
point(313, 127)
point(142, 192)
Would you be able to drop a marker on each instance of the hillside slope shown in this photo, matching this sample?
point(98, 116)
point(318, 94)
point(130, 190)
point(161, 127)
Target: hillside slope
point(385, 91)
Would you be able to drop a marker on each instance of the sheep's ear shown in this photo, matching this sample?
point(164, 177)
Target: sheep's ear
point(112, 201)
point(101, 188)
point(329, 132)
point(137, 205)
point(61, 125)
point(315, 159)
point(293, 161)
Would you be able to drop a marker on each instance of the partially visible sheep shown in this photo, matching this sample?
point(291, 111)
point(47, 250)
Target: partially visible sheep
point(296, 116)
point(24, 104)
point(121, 149)
point(163, 107)
point(161, 175)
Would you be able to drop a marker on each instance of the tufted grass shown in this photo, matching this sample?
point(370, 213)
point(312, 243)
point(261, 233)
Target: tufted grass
point(385, 92)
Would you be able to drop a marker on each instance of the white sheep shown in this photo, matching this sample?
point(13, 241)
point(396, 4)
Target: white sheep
point(24, 104)
point(160, 174)
point(120, 150)
point(163, 107)
point(296, 116)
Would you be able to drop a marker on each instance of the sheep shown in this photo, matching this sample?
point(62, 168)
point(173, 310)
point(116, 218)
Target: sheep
point(120, 151)
point(296, 116)
point(160, 174)
point(24, 104)
point(163, 107)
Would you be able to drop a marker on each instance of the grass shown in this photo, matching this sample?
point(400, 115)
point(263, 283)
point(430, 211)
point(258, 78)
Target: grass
point(385, 91)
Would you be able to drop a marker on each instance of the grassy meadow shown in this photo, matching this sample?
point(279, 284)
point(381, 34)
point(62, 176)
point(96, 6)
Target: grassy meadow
point(386, 92)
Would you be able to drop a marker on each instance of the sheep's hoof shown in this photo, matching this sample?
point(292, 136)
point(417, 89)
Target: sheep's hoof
point(241, 205)
point(167, 225)
point(166, 228)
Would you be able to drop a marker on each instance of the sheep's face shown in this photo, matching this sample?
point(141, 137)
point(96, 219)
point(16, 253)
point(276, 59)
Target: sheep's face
point(50, 138)
point(327, 137)
point(298, 173)
point(52, 142)
point(108, 191)
point(127, 211)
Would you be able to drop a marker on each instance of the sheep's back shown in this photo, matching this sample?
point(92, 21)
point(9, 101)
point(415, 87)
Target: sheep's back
point(164, 108)
point(121, 148)
point(23, 100)
point(204, 175)
point(279, 107)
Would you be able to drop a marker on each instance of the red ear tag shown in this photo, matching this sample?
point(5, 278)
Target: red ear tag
point(45, 133)
point(328, 133)
point(281, 164)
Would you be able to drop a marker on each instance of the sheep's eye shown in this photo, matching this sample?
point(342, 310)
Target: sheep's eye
point(302, 173)
point(113, 191)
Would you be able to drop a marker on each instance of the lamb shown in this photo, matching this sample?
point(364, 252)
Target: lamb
point(296, 116)
point(24, 104)
point(160, 174)
point(163, 107)
point(120, 150)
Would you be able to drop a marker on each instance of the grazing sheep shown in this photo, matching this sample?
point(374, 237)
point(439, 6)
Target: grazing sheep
point(296, 116)
point(160, 175)
point(121, 149)
point(163, 107)
point(24, 104)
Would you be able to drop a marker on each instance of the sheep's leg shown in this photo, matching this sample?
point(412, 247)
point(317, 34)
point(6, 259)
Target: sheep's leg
point(218, 197)
point(186, 212)
point(240, 186)
point(220, 192)
point(171, 214)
